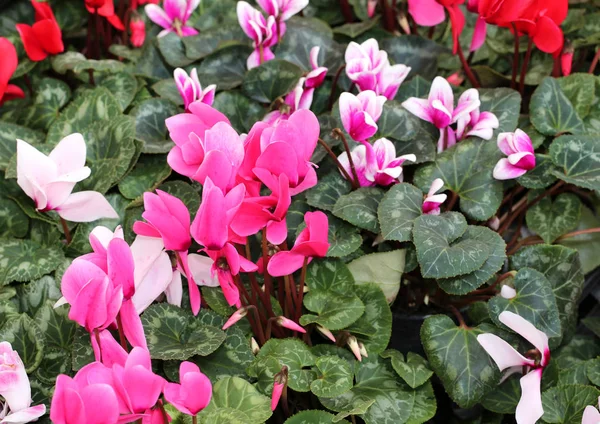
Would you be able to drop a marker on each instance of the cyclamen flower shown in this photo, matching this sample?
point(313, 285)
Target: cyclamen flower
point(263, 32)
point(369, 68)
point(432, 202)
point(313, 241)
point(44, 37)
point(173, 17)
point(290, 325)
point(49, 180)
point(105, 8)
point(529, 408)
point(521, 155)
point(439, 109)
point(191, 90)
point(16, 389)
point(360, 113)
point(431, 13)
point(194, 391)
point(502, 12)
point(591, 414)
point(279, 383)
point(7, 69)
point(476, 123)
point(137, 27)
point(480, 30)
point(376, 164)
point(541, 22)
point(282, 9)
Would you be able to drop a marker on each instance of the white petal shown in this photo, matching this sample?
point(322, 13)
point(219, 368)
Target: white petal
point(530, 410)
point(503, 354)
point(527, 330)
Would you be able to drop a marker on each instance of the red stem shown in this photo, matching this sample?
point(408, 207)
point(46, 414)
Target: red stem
point(515, 66)
point(466, 67)
point(346, 11)
point(594, 62)
point(121, 333)
point(525, 66)
point(355, 183)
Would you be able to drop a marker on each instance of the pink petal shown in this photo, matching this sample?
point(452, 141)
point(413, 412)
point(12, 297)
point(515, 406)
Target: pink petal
point(69, 154)
point(529, 409)
point(158, 16)
point(120, 266)
point(426, 12)
point(200, 267)
point(292, 7)
point(208, 114)
point(590, 415)
point(524, 160)
point(132, 325)
point(193, 290)
point(522, 142)
point(505, 171)
point(503, 354)
point(24, 415)
point(521, 326)
point(174, 290)
point(276, 395)
point(478, 34)
point(112, 351)
point(153, 282)
point(284, 263)
point(277, 232)
point(86, 206)
point(103, 412)
point(441, 90)
point(418, 107)
point(198, 390)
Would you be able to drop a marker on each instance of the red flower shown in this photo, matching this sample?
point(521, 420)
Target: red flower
point(138, 32)
point(503, 12)
point(431, 12)
point(8, 53)
point(541, 21)
point(44, 37)
point(105, 8)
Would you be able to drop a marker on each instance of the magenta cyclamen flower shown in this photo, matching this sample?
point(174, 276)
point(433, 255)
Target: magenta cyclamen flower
point(529, 409)
point(521, 156)
point(263, 32)
point(376, 164)
point(369, 68)
point(439, 109)
point(476, 123)
point(173, 17)
point(360, 113)
point(194, 391)
point(191, 90)
point(432, 202)
point(282, 9)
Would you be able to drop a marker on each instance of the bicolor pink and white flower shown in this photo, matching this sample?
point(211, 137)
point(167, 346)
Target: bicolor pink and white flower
point(352, 343)
point(16, 389)
point(432, 202)
point(591, 415)
point(369, 68)
point(282, 9)
point(191, 90)
point(376, 164)
point(289, 324)
point(173, 16)
point(264, 33)
point(359, 114)
point(317, 74)
point(439, 109)
point(49, 180)
point(529, 408)
point(194, 391)
point(521, 155)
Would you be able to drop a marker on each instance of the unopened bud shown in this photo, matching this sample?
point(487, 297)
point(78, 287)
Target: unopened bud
point(363, 350)
point(279, 384)
point(326, 333)
point(403, 22)
point(254, 346)
point(507, 292)
point(289, 324)
point(494, 223)
point(353, 345)
point(237, 315)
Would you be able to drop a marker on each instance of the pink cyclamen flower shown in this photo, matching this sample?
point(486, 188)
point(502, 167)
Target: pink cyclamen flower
point(376, 164)
point(205, 146)
point(476, 123)
point(529, 408)
point(318, 73)
point(312, 242)
point(360, 113)
point(235, 317)
point(194, 391)
point(279, 384)
point(439, 109)
point(109, 351)
point(137, 27)
point(431, 13)
point(15, 389)
point(289, 324)
point(591, 414)
point(263, 32)
point(191, 90)
point(282, 9)
point(49, 180)
point(432, 202)
point(521, 155)
point(369, 68)
point(173, 17)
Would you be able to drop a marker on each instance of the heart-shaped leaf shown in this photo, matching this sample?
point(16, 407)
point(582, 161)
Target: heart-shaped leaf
point(343, 238)
point(122, 85)
point(542, 176)
point(33, 296)
point(9, 133)
point(417, 52)
point(150, 125)
point(225, 67)
point(241, 111)
point(504, 398)
point(312, 416)
point(327, 191)
point(56, 326)
point(551, 219)
point(384, 269)
point(330, 275)
point(565, 404)
point(270, 80)
point(580, 90)
point(441, 251)
point(551, 111)
point(578, 160)
point(13, 221)
point(334, 311)
point(398, 209)
point(374, 327)
point(50, 96)
point(26, 260)
point(359, 208)
point(26, 338)
point(505, 103)
point(334, 377)
point(230, 359)
point(414, 371)
point(148, 173)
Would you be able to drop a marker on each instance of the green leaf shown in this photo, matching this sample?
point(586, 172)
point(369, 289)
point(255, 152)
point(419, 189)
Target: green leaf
point(592, 323)
point(173, 50)
point(9, 133)
point(329, 275)
point(505, 103)
point(54, 363)
point(33, 295)
point(565, 404)
point(551, 219)
point(13, 221)
point(216, 301)
point(294, 354)
point(271, 80)
point(417, 52)
point(335, 377)
point(150, 127)
point(241, 111)
point(104, 65)
point(397, 123)
point(66, 62)
point(184, 192)
point(504, 398)
point(50, 96)
point(374, 327)
point(414, 371)
point(358, 408)
point(151, 64)
point(25, 260)
point(551, 111)
point(561, 266)
point(81, 351)
point(579, 348)
point(312, 416)
point(465, 283)
point(230, 359)
point(238, 394)
point(343, 238)
point(334, 311)
point(148, 173)
point(226, 68)
point(534, 302)
point(579, 89)
point(89, 107)
point(207, 42)
point(398, 209)
point(167, 89)
point(466, 169)
point(26, 338)
point(383, 268)
point(122, 85)
point(444, 249)
point(586, 245)
point(593, 371)
point(542, 176)
point(174, 333)
point(575, 374)
point(359, 208)
point(394, 402)
point(56, 326)
point(327, 191)
point(466, 370)
point(578, 160)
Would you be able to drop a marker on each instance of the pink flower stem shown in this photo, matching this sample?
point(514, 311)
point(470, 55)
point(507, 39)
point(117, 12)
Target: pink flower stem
point(355, 183)
point(335, 159)
point(261, 55)
point(66, 230)
point(300, 295)
point(289, 303)
point(97, 335)
point(163, 412)
point(266, 257)
point(388, 15)
point(346, 11)
point(277, 22)
point(525, 66)
point(594, 62)
point(515, 65)
point(121, 334)
point(194, 419)
point(334, 85)
point(466, 67)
